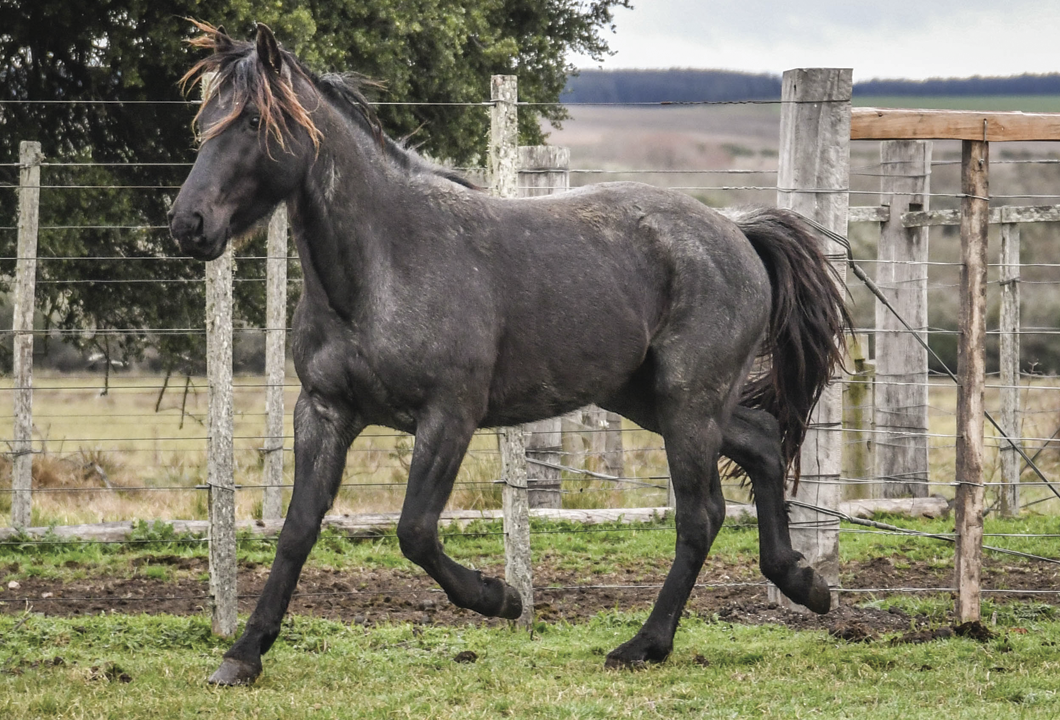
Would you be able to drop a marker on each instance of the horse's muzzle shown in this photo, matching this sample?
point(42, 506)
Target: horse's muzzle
point(189, 230)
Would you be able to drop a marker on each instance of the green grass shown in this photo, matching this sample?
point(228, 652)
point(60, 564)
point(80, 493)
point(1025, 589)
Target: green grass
point(602, 548)
point(154, 667)
point(862, 545)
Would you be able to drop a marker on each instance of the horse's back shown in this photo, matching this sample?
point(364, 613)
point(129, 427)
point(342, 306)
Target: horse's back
point(596, 279)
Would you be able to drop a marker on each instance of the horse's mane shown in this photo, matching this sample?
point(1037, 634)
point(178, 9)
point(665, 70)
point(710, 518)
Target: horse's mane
point(236, 63)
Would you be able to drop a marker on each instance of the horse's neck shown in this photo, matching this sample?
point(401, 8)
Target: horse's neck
point(339, 220)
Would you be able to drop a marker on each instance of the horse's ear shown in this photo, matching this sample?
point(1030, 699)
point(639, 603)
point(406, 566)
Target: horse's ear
point(269, 49)
point(221, 41)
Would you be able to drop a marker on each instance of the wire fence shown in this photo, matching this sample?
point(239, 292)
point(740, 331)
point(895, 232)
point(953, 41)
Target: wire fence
point(123, 441)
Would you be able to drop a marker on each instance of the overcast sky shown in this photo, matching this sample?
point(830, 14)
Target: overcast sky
point(884, 39)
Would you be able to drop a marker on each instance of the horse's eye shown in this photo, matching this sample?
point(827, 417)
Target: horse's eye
point(254, 122)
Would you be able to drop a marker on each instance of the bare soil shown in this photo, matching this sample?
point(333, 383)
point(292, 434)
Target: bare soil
point(371, 596)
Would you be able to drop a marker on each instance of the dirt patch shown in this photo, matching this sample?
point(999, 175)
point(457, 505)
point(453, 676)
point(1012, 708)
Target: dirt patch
point(730, 591)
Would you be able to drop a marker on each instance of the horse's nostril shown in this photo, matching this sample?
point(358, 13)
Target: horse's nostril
point(187, 227)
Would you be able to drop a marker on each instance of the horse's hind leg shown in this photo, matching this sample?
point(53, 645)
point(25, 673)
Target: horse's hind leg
point(322, 436)
point(692, 450)
point(441, 442)
point(752, 440)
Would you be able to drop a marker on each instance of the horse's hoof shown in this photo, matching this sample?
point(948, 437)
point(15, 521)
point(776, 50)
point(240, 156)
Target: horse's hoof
point(512, 604)
point(635, 654)
point(819, 599)
point(235, 672)
point(804, 585)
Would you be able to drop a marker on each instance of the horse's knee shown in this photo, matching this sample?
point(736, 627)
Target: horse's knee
point(418, 540)
point(697, 531)
point(715, 513)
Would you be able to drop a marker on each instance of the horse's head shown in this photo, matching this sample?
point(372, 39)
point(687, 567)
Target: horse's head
point(256, 139)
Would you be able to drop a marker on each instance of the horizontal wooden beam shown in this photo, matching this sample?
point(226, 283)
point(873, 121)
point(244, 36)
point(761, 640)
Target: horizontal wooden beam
point(383, 522)
point(904, 124)
point(868, 213)
point(998, 216)
point(929, 218)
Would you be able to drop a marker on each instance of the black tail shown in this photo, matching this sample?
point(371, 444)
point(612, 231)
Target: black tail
point(805, 343)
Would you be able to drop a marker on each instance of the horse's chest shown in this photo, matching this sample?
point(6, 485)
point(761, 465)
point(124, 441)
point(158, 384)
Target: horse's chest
point(360, 369)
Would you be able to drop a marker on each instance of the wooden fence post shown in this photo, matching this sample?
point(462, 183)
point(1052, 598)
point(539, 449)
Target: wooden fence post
point(29, 160)
point(516, 510)
point(813, 178)
point(1010, 365)
point(275, 363)
point(971, 375)
point(503, 165)
point(901, 412)
point(544, 170)
point(219, 473)
point(858, 404)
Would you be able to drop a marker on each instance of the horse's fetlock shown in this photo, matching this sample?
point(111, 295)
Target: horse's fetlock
point(778, 569)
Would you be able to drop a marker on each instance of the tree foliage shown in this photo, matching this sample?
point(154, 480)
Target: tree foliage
point(126, 56)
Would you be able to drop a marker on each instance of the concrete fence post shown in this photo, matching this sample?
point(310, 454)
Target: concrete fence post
point(503, 166)
point(219, 473)
point(1011, 418)
point(29, 160)
point(275, 363)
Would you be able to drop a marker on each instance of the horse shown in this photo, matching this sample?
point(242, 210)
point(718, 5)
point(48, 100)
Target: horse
point(434, 308)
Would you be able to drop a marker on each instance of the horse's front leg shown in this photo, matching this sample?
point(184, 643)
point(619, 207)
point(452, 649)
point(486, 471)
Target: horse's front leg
point(440, 446)
point(322, 435)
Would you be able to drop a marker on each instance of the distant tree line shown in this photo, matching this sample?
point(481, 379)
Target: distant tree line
point(1015, 85)
point(684, 85)
point(631, 86)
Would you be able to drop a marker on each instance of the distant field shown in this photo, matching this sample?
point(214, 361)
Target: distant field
point(1025, 103)
point(86, 439)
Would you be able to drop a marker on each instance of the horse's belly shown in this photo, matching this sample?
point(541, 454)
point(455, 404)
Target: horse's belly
point(539, 376)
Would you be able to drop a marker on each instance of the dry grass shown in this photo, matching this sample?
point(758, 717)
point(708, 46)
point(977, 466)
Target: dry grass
point(153, 461)
point(113, 457)
point(1040, 404)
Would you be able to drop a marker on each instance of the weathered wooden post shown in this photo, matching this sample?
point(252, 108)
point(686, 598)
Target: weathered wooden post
point(543, 170)
point(901, 412)
point(503, 159)
point(219, 473)
point(858, 443)
point(605, 438)
point(974, 130)
point(971, 375)
point(29, 160)
point(813, 178)
point(1010, 365)
point(275, 363)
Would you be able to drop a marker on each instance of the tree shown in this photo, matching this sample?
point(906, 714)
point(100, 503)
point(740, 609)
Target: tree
point(126, 56)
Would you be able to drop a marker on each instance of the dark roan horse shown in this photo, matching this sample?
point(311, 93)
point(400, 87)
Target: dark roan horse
point(435, 309)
